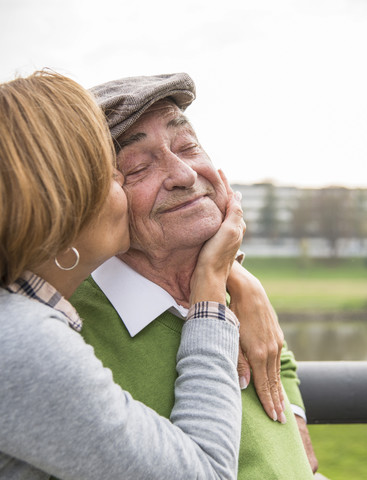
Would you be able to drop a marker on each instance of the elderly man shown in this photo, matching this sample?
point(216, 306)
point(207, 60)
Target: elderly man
point(134, 306)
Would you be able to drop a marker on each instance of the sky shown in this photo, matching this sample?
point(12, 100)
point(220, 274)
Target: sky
point(281, 84)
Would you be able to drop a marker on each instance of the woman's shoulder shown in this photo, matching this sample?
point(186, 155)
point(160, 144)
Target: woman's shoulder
point(37, 343)
point(16, 308)
point(29, 328)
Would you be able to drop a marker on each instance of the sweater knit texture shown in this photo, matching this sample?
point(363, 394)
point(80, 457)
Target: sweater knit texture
point(145, 366)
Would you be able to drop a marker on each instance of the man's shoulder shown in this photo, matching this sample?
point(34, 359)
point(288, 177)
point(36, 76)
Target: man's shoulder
point(89, 285)
point(88, 293)
point(92, 305)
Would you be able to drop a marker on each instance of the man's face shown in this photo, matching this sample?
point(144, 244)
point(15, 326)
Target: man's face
point(176, 197)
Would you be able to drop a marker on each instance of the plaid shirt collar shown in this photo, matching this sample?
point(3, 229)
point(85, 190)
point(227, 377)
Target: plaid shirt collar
point(32, 286)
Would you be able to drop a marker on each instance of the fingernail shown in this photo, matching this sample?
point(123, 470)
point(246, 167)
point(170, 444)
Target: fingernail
point(243, 383)
point(275, 417)
point(238, 196)
point(282, 419)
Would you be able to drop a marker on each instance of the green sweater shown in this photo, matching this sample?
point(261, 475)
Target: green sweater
point(145, 365)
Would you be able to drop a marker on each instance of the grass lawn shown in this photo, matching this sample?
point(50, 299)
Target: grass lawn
point(341, 450)
point(322, 285)
point(318, 285)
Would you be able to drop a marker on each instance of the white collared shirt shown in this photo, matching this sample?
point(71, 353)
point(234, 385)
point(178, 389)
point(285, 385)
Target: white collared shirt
point(137, 300)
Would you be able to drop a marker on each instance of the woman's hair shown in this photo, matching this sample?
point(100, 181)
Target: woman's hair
point(56, 159)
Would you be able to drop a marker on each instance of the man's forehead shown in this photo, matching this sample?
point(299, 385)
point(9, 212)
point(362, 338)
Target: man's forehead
point(166, 112)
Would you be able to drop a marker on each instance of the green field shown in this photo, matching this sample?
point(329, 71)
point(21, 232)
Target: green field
point(318, 285)
point(322, 286)
point(341, 450)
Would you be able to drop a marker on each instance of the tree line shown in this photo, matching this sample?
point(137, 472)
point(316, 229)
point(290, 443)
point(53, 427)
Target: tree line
point(331, 213)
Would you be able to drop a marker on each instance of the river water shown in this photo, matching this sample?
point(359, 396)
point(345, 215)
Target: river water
point(317, 338)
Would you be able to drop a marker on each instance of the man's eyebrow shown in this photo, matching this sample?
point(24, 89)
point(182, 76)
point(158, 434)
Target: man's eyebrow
point(179, 122)
point(136, 137)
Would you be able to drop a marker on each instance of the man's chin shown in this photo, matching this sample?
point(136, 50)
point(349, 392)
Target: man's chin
point(203, 233)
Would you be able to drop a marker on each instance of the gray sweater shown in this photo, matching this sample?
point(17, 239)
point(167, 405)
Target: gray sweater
point(61, 413)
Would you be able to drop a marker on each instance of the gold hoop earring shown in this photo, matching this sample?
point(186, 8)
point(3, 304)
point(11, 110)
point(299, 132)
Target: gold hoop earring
point(75, 263)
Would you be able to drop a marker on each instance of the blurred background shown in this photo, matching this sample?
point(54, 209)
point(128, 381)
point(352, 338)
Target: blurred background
point(309, 247)
point(282, 108)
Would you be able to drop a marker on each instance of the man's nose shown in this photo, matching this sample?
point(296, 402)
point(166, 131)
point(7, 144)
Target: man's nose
point(179, 173)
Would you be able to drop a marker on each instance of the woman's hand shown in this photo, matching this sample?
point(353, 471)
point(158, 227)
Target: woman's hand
point(208, 282)
point(261, 339)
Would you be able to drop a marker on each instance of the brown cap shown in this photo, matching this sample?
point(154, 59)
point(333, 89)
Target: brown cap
point(124, 101)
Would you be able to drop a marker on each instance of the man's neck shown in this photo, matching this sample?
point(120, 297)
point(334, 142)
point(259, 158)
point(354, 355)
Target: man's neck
point(170, 271)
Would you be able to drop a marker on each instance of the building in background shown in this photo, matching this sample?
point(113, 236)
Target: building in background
point(304, 222)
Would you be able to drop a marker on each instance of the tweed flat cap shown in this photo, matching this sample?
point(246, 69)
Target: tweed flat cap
point(125, 100)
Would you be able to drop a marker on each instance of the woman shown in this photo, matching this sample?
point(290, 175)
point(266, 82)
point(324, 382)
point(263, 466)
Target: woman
point(60, 412)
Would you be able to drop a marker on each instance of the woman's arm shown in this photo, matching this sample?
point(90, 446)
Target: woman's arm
point(261, 339)
point(61, 412)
